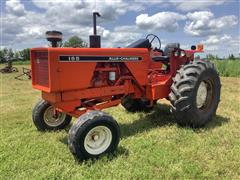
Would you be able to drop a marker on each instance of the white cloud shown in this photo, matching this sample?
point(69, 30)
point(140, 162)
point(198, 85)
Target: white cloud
point(2, 47)
point(23, 27)
point(214, 39)
point(160, 21)
point(203, 23)
point(189, 5)
point(20, 29)
point(225, 44)
point(184, 5)
point(15, 7)
point(33, 32)
point(121, 36)
point(81, 11)
point(69, 16)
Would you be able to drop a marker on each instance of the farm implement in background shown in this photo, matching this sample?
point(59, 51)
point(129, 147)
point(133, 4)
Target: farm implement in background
point(9, 67)
point(25, 73)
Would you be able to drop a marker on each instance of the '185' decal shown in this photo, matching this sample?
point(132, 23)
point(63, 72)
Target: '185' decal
point(99, 58)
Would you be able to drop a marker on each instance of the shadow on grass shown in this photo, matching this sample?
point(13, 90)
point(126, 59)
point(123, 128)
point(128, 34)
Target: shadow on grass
point(159, 117)
point(22, 79)
point(215, 122)
point(64, 140)
point(120, 152)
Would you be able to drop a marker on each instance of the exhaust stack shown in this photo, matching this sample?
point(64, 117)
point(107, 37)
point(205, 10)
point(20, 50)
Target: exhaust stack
point(95, 40)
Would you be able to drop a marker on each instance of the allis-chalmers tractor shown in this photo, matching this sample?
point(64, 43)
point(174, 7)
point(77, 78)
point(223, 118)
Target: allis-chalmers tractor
point(79, 82)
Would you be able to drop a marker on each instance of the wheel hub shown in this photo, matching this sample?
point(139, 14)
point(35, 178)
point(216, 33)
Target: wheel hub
point(95, 137)
point(53, 119)
point(202, 93)
point(98, 140)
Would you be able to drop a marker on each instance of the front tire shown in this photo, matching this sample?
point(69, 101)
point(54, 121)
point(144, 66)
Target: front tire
point(95, 133)
point(44, 119)
point(195, 93)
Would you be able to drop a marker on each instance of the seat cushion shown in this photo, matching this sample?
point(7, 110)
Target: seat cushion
point(171, 47)
point(141, 43)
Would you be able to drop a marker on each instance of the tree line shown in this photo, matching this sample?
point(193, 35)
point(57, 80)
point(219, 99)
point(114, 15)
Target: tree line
point(215, 57)
point(8, 53)
point(24, 55)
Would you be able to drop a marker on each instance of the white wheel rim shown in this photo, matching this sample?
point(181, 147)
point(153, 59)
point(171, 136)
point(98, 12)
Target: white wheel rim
point(98, 140)
point(202, 93)
point(52, 119)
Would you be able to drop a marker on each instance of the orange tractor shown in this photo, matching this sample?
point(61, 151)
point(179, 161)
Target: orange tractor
point(80, 82)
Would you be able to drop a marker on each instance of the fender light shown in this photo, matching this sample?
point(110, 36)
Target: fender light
point(200, 47)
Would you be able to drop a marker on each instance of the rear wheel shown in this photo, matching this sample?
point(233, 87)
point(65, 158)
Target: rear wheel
point(134, 105)
point(44, 117)
point(195, 93)
point(95, 133)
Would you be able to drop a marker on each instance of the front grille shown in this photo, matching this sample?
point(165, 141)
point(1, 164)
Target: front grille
point(41, 71)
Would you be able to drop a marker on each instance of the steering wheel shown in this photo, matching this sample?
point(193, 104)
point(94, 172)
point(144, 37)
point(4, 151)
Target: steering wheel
point(152, 39)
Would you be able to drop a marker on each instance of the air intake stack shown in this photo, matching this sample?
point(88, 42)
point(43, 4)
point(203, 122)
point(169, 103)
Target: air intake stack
point(54, 37)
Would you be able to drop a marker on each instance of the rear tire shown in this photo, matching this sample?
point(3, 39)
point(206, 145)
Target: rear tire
point(195, 93)
point(135, 105)
point(43, 117)
point(95, 133)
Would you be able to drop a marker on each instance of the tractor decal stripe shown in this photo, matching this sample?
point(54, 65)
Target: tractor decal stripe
point(99, 58)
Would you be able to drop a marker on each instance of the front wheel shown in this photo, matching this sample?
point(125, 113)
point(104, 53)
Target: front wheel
point(95, 133)
point(45, 119)
point(195, 93)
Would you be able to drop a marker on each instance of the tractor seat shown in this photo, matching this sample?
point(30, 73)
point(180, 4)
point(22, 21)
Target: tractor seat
point(141, 43)
point(170, 47)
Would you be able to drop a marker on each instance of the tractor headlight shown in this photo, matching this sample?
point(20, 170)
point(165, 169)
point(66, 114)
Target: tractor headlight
point(176, 53)
point(182, 53)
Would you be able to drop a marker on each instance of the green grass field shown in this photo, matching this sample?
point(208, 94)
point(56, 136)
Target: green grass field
point(228, 68)
point(152, 145)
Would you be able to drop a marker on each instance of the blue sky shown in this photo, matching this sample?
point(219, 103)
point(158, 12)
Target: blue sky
point(215, 23)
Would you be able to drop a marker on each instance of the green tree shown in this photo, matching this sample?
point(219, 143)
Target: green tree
point(25, 54)
point(1, 56)
point(75, 41)
point(210, 57)
point(231, 57)
point(16, 55)
point(5, 52)
point(10, 53)
point(1, 53)
point(4, 55)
